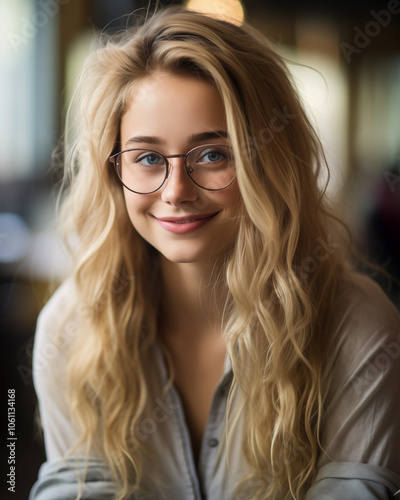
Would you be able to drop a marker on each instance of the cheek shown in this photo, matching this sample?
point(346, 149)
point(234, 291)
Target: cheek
point(232, 198)
point(136, 205)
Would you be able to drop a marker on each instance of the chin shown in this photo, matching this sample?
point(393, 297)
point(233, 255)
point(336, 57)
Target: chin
point(189, 256)
point(185, 259)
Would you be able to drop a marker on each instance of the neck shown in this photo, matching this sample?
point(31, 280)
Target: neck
point(188, 304)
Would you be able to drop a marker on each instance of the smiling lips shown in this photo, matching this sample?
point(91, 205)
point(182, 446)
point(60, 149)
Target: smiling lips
point(184, 225)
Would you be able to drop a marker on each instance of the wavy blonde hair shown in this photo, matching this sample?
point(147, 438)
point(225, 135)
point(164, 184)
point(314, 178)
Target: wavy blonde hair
point(278, 308)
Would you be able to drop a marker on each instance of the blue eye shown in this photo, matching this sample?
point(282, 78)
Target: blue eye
point(212, 157)
point(150, 159)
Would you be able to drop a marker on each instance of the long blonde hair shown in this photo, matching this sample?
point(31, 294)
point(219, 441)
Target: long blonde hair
point(280, 289)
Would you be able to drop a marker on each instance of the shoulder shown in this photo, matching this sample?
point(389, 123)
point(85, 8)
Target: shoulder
point(358, 293)
point(365, 335)
point(57, 328)
point(58, 320)
point(62, 302)
point(364, 374)
point(364, 319)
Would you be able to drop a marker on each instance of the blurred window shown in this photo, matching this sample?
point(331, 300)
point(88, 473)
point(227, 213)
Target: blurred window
point(322, 83)
point(28, 34)
point(377, 139)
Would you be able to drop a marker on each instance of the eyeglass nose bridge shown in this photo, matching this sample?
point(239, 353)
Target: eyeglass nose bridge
point(170, 166)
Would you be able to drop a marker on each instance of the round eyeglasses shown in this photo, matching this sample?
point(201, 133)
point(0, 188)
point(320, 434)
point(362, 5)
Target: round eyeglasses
point(144, 171)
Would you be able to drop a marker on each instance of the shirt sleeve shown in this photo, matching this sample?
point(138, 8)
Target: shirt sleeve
point(354, 481)
point(361, 436)
point(60, 478)
point(64, 480)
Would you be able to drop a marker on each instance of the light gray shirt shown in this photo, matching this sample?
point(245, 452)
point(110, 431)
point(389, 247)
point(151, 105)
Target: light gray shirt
point(361, 435)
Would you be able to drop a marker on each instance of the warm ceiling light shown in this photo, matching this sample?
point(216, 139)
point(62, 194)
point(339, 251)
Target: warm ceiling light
point(227, 10)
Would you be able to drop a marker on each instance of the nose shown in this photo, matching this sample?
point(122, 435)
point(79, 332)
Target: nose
point(178, 187)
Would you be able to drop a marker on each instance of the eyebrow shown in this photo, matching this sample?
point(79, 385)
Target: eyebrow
point(207, 136)
point(203, 136)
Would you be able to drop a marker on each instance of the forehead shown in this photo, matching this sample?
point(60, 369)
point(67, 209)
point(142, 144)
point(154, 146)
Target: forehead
point(169, 106)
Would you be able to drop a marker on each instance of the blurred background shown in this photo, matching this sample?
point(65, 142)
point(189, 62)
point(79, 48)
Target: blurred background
point(349, 79)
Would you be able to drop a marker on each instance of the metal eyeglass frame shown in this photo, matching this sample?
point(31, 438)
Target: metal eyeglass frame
point(113, 159)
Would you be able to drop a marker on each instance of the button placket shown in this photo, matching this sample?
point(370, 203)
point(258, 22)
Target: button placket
point(213, 434)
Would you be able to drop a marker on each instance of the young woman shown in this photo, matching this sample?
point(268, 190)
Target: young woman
point(212, 340)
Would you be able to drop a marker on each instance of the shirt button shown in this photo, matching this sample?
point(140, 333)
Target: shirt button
point(213, 442)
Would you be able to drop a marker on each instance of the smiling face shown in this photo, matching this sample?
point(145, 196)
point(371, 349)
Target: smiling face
point(172, 114)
